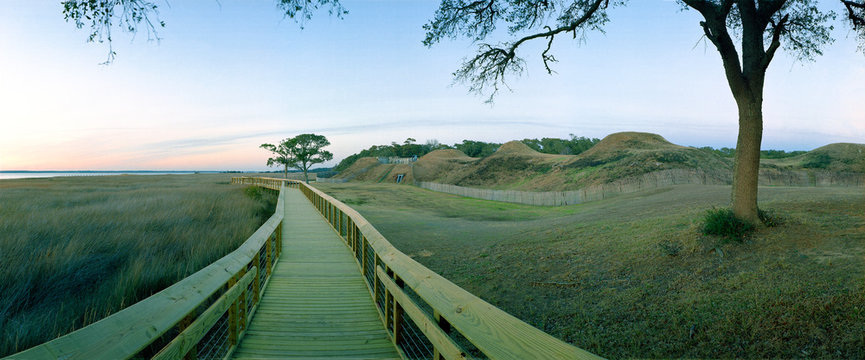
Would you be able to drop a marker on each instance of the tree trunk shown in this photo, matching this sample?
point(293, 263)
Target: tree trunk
point(747, 168)
point(285, 172)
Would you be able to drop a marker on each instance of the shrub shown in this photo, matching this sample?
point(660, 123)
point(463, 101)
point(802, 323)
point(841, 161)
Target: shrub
point(723, 223)
point(817, 161)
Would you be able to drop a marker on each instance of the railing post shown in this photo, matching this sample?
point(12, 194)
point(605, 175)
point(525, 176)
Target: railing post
point(269, 255)
point(256, 285)
point(397, 314)
point(192, 354)
point(351, 236)
point(232, 316)
point(241, 305)
point(363, 254)
point(374, 279)
point(446, 327)
point(387, 310)
point(279, 239)
point(339, 222)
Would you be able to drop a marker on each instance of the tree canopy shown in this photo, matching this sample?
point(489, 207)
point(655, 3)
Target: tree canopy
point(299, 152)
point(101, 16)
point(573, 146)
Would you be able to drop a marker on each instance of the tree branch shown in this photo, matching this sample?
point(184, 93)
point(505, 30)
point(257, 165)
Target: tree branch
point(777, 29)
point(477, 19)
point(857, 19)
point(715, 29)
point(490, 66)
point(100, 16)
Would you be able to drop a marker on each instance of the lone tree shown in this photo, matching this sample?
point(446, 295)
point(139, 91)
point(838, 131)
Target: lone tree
point(760, 27)
point(299, 152)
point(281, 156)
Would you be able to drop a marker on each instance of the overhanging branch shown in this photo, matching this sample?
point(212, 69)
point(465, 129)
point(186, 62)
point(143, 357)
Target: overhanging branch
point(491, 65)
point(855, 12)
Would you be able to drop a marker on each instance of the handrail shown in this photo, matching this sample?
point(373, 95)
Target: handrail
point(452, 311)
point(192, 310)
point(214, 304)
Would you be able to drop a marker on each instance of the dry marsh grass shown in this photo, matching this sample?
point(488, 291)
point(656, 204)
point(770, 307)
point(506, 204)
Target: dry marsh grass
point(632, 277)
point(74, 250)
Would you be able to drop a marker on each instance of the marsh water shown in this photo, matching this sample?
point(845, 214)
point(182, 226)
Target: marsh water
point(45, 174)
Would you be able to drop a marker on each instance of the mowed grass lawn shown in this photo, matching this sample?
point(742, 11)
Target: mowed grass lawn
point(74, 250)
point(633, 277)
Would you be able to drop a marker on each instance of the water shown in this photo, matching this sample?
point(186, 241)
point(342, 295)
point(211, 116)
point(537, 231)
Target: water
point(45, 174)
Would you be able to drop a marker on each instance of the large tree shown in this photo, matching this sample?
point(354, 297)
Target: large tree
point(300, 152)
point(760, 27)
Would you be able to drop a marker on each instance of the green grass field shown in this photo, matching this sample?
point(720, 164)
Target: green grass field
point(74, 250)
point(632, 276)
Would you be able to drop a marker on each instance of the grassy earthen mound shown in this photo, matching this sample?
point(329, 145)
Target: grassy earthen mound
point(359, 167)
point(841, 157)
point(439, 164)
point(633, 141)
point(511, 165)
point(620, 157)
point(628, 154)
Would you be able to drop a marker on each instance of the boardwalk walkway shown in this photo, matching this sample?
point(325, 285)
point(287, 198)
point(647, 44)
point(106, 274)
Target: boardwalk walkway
point(317, 303)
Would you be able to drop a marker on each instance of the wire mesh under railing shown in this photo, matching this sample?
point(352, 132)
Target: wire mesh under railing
point(262, 265)
point(379, 296)
point(215, 344)
point(413, 343)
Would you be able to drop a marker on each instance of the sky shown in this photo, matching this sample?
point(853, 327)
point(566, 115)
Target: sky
point(229, 75)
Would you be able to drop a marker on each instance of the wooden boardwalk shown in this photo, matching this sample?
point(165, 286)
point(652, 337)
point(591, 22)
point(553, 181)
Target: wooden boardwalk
point(317, 304)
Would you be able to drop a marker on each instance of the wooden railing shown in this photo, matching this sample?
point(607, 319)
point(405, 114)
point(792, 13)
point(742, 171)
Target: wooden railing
point(206, 314)
point(426, 315)
point(202, 316)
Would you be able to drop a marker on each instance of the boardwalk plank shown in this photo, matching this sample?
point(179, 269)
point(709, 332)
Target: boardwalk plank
point(317, 304)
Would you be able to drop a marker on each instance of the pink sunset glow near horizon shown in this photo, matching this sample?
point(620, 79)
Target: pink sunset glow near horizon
point(229, 76)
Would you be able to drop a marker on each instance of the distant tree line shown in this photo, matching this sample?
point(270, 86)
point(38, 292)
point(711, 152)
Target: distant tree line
point(764, 154)
point(572, 146)
point(410, 148)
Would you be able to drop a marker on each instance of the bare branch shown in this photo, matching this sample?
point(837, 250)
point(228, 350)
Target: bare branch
point(488, 69)
point(490, 66)
point(547, 57)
